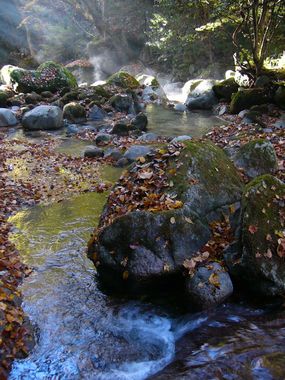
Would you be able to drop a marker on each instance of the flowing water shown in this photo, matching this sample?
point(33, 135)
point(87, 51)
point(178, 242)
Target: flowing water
point(83, 333)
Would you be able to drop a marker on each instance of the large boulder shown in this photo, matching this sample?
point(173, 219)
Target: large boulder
point(261, 265)
point(247, 98)
point(157, 217)
point(225, 89)
point(202, 96)
point(49, 76)
point(124, 80)
point(43, 117)
point(7, 118)
point(256, 158)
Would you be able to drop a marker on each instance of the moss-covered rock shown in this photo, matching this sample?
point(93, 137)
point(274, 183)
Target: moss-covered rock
point(279, 97)
point(74, 112)
point(148, 80)
point(225, 89)
point(49, 76)
point(247, 98)
point(3, 99)
point(124, 80)
point(144, 247)
point(262, 263)
point(256, 158)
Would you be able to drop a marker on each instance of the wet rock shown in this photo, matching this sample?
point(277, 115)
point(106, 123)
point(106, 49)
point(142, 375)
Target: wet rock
point(210, 286)
point(122, 162)
point(72, 129)
point(7, 118)
point(43, 117)
point(148, 137)
point(140, 122)
point(92, 151)
point(280, 124)
point(74, 112)
point(114, 153)
point(180, 139)
point(103, 139)
point(143, 248)
point(96, 113)
point(137, 151)
point(122, 128)
point(261, 266)
point(256, 158)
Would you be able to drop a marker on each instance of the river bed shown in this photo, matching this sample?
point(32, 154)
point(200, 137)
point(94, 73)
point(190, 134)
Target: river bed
point(82, 333)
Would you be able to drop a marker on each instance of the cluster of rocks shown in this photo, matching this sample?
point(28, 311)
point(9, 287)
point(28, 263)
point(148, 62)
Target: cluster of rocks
point(205, 94)
point(142, 251)
point(49, 98)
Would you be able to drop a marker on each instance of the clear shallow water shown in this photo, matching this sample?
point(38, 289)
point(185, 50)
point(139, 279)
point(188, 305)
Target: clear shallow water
point(168, 122)
point(84, 334)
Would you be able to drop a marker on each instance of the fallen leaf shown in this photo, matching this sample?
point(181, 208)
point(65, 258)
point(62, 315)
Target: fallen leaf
point(252, 229)
point(214, 280)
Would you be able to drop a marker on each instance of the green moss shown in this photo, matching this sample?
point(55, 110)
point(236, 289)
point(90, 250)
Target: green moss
point(49, 76)
point(257, 157)
point(124, 80)
point(225, 89)
point(247, 98)
point(74, 111)
point(261, 209)
point(102, 91)
point(210, 162)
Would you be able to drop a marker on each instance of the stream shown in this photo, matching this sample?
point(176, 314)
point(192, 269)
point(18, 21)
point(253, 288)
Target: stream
point(83, 333)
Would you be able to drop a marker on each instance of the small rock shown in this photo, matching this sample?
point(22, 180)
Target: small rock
point(96, 113)
point(137, 151)
point(243, 113)
point(74, 112)
point(180, 139)
point(103, 139)
point(114, 153)
point(7, 118)
point(93, 151)
point(149, 137)
point(140, 122)
point(72, 129)
point(210, 286)
point(122, 128)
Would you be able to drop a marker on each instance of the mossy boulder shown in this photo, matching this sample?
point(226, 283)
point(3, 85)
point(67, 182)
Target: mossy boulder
point(3, 98)
point(74, 112)
point(124, 80)
point(279, 97)
point(143, 248)
point(49, 76)
point(247, 98)
point(225, 89)
point(262, 263)
point(256, 158)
